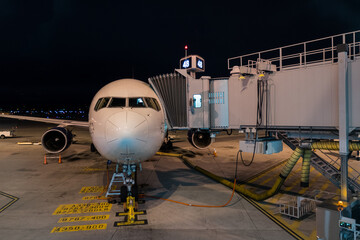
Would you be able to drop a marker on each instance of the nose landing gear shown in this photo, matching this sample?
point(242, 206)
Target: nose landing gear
point(129, 195)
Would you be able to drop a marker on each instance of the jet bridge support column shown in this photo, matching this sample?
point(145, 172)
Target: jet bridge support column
point(342, 50)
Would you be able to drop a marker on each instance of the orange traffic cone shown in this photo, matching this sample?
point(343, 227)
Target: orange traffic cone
point(60, 158)
point(45, 162)
point(215, 153)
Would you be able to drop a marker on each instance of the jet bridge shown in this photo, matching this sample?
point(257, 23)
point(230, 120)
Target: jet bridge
point(296, 87)
point(301, 93)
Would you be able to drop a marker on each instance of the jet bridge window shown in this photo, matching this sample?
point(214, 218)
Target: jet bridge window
point(117, 102)
point(197, 100)
point(101, 103)
point(152, 103)
point(136, 102)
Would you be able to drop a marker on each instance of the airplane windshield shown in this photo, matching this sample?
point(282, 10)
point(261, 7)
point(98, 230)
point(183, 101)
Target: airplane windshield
point(136, 102)
point(117, 102)
point(152, 103)
point(101, 103)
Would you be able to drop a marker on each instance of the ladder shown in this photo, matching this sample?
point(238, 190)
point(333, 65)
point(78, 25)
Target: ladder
point(326, 168)
point(116, 178)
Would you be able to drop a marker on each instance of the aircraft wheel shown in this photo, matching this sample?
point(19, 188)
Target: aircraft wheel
point(2, 137)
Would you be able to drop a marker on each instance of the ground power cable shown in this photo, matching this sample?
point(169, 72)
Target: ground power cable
point(259, 118)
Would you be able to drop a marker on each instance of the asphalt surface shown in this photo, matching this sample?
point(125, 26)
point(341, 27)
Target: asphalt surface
point(31, 192)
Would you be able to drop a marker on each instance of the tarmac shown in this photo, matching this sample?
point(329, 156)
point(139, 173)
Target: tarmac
point(58, 201)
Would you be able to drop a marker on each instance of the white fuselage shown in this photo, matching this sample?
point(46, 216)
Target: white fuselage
point(126, 124)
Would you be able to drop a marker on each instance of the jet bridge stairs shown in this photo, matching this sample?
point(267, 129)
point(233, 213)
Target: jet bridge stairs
point(329, 168)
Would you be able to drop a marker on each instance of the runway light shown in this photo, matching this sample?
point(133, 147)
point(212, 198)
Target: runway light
point(186, 47)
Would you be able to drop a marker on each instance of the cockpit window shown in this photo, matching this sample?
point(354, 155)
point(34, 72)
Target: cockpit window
point(101, 103)
point(136, 102)
point(152, 103)
point(117, 102)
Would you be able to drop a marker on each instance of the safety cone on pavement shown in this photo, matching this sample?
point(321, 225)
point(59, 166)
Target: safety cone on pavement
point(60, 158)
point(215, 153)
point(45, 162)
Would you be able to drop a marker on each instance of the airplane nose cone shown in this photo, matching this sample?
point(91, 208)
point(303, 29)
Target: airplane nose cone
point(128, 126)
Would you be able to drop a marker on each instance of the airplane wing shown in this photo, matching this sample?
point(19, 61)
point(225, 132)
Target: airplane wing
point(63, 122)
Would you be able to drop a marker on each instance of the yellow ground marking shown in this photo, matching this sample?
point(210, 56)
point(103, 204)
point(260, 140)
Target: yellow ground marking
point(83, 208)
point(280, 219)
point(95, 189)
point(275, 198)
point(137, 222)
point(295, 224)
point(266, 172)
point(83, 218)
point(312, 181)
point(323, 188)
point(13, 200)
point(126, 214)
point(313, 234)
point(101, 226)
point(91, 198)
point(296, 182)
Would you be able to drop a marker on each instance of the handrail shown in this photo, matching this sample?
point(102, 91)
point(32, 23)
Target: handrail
point(305, 54)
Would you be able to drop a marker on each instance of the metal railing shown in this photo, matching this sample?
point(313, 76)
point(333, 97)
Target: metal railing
point(319, 51)
point(297, 207)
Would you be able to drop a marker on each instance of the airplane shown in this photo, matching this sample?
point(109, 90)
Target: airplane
point(126, 124)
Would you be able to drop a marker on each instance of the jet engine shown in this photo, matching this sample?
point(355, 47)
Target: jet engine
point(56, 140)
point(199, 138)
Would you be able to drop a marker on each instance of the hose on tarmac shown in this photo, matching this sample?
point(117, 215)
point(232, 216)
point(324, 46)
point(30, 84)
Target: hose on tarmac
point(240, 188)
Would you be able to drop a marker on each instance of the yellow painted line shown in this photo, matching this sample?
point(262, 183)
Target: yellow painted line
point(325, 186)
point(278, 220)
point(137, 222)
point(266, 171)
point(95, 189)
point(90, 198)
point(313, 234)
point(84, 218)
point(275, 198)
point(82, 208)
point(13, 200)
point(127, 214)
point(295, 224)
point(101, 226)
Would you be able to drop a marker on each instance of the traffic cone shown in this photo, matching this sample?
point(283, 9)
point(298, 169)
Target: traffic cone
point(60, 158)
point(45, 162)
point(215, 153)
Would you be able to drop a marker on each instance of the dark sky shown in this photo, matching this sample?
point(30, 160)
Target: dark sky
point(63, 51)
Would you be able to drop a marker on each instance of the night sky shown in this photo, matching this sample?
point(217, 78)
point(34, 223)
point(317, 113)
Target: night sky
point(63, 51)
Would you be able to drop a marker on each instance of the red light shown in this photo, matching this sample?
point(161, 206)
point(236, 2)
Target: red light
point(186, 47)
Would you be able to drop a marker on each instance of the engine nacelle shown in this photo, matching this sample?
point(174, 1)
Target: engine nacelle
point(199, 139)
point(56, 140)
